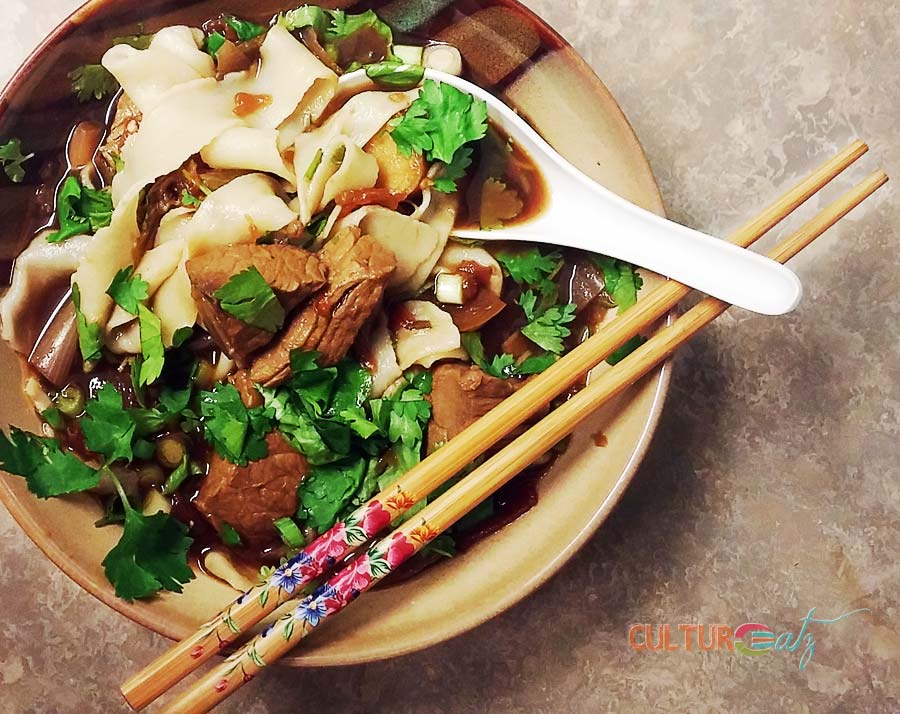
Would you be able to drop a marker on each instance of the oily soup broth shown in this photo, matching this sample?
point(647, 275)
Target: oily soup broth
point(515, 193)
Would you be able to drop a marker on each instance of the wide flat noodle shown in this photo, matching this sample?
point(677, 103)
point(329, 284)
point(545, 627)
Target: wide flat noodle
point(441, 340)
point(40, 269)
point(173, 57)
point(244, 148)
point(455, 254)
point(192, 115)
point(341, 166)
point(109, 252)
point(286, 74)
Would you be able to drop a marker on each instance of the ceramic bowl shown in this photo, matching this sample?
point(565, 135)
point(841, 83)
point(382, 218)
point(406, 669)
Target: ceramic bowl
point(506, 49)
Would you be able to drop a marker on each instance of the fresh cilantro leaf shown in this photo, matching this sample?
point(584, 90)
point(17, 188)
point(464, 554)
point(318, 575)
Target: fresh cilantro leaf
point(536, 364)
point(151, 555)
point(53, 417)
point(326, 490)
point(529, 267)
point(89, 337)
point(81, 209)
point(621, 279)
point(244, 29)
point(306, 16)
point(396, 75)
point(548, 329)
point(249, 298)
point(13, 160)
point(189, 200)
point(182, 335)
point(344, 24)
point(238, 434)
point(108, 427)
point(153, 353)
point(128, 290)
point(47, 469)
point(214, 43)
point(455, 170)
point(138, 41)
point(170, 408)
point(504, 366)
point(444, 546)
point(626, 350)
point(92, 81)
point(440, 122)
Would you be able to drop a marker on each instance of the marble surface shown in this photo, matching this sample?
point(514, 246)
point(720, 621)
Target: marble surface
point(773, 484)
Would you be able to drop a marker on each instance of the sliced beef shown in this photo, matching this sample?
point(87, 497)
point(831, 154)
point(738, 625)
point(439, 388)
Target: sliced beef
point(460, 396)
point(359, 267)
point(293, 274)
point(250, 498)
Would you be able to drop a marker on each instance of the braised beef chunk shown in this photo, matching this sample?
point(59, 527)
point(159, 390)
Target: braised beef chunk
point(250, 498)
point(125, 123)
point(292, 273)
point(460, 396)
point(358, 269)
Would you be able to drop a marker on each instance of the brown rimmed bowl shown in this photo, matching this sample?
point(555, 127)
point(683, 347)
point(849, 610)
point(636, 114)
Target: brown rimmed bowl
point(507, 49)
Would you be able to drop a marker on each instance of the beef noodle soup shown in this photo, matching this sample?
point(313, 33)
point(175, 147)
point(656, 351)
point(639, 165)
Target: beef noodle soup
point(241, 311)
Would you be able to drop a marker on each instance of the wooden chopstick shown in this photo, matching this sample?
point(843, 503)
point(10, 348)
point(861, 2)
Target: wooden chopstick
point(386, 555)
point(252, 607)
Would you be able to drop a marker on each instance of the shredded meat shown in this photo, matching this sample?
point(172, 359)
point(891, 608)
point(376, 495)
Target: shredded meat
point(359, 268)
point(292, 273)
point(125, 123)
point(250, 498)
point(460, 396)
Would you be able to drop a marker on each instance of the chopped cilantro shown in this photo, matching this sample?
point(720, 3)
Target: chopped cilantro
point(53, 417)
point(547, 328)
point(626, 350)
point(169, 408)
point(306, 16)
point(531, 267)
point(214, 43)
point(249, 298)
point(80, 209)
point(109, 428)
point(439, 124)
point(325, 491)
point(90, 340)
point(244, 29)
point(396, 75)
point(92, 81)
point(13, 160)
point(128, 290)
point(189, 200)
point(504, 366)
point(153, 353)
point(47, 468)
point(151, 555)
point(455, 170)
point(237, 433)
point(621, 279)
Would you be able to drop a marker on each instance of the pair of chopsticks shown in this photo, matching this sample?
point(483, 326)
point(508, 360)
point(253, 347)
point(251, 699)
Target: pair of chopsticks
point(387, 554)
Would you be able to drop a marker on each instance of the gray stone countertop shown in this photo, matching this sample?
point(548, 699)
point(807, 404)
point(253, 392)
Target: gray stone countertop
point(773, 484)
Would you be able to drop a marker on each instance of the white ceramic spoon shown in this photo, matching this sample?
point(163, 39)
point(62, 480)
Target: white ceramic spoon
point(582, 214)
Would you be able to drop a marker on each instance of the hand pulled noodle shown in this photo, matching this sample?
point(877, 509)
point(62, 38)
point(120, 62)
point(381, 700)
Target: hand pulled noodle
point(174, 57)
point(341, 166)
point(426, 345)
